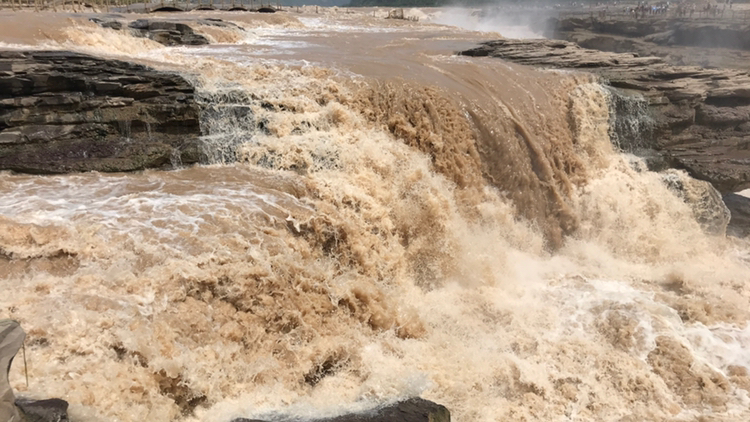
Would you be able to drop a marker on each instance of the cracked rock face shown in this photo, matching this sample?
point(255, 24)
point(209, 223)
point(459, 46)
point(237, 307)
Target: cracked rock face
point(65, 112)
point(739, 206)
point(169, 33)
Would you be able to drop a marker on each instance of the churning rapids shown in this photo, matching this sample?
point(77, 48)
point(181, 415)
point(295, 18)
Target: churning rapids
point(380, 219)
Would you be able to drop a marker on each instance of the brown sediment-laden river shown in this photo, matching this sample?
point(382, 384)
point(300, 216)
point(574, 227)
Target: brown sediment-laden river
point(382, 219)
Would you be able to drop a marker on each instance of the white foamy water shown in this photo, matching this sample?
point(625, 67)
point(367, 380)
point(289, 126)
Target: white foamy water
point(507, 26)
point(404, 222)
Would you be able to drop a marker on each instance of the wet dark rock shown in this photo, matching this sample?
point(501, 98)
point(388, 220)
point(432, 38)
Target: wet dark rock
point(739, 206)
point(411, 410)
point(699, 119)
point(703, 199)
point(722, 42)
point(111, 24)
point(65, 112)
point(220, 23)
point(50, 410)
point(167, 32)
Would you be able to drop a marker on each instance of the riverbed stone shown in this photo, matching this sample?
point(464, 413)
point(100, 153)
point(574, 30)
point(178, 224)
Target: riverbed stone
point(411, 410)
point(49, 410)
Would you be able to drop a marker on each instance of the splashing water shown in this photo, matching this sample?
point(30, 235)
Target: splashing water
point(371, 227)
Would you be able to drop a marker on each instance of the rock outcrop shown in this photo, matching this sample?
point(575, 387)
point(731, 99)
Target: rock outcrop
point(698, 119)
point(707, 42)
point(169, 33)
point(704, 200)
point(739, 206)
point(49, 410)
point(65, 112)
point(411, 410)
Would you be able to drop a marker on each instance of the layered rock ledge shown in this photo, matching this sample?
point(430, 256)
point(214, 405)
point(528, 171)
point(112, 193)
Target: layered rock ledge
point(695, 119)
point(723, 32)
point(66, 112)
point(169, 33)
point(708, 42)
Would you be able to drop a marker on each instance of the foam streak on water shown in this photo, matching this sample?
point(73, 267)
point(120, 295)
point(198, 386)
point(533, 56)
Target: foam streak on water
point(372, 227)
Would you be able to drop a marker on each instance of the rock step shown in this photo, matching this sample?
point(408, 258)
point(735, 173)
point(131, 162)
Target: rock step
point(65, 112)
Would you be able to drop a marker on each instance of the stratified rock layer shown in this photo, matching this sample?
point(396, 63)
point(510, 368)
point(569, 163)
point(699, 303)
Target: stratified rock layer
point(699, 118)
point(167, 33)
point(65, 112)
point(722, 41)
point(50, 410)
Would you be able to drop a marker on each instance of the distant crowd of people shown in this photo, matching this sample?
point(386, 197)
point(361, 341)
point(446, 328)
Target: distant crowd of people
point(655, 9)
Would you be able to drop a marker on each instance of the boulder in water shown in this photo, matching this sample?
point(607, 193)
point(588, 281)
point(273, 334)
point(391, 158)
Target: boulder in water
point(739, 207)
point(111, 24)
point(220, 24)
point(705, 201)
point(167, 33)
point(22, 410)
point(412, 410)
point(50, 410)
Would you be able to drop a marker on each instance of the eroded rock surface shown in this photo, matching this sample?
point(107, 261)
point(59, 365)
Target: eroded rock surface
point(64, 112)
point(704, 200)
point(699, 118)
point(739, 206)
point(707, 33)
point(722, 42)
point(166, 32)
point(411, 410)
point(49, 410)
point(169, 33)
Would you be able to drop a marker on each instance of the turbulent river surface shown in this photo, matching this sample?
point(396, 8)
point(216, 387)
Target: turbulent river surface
point(379, 218)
